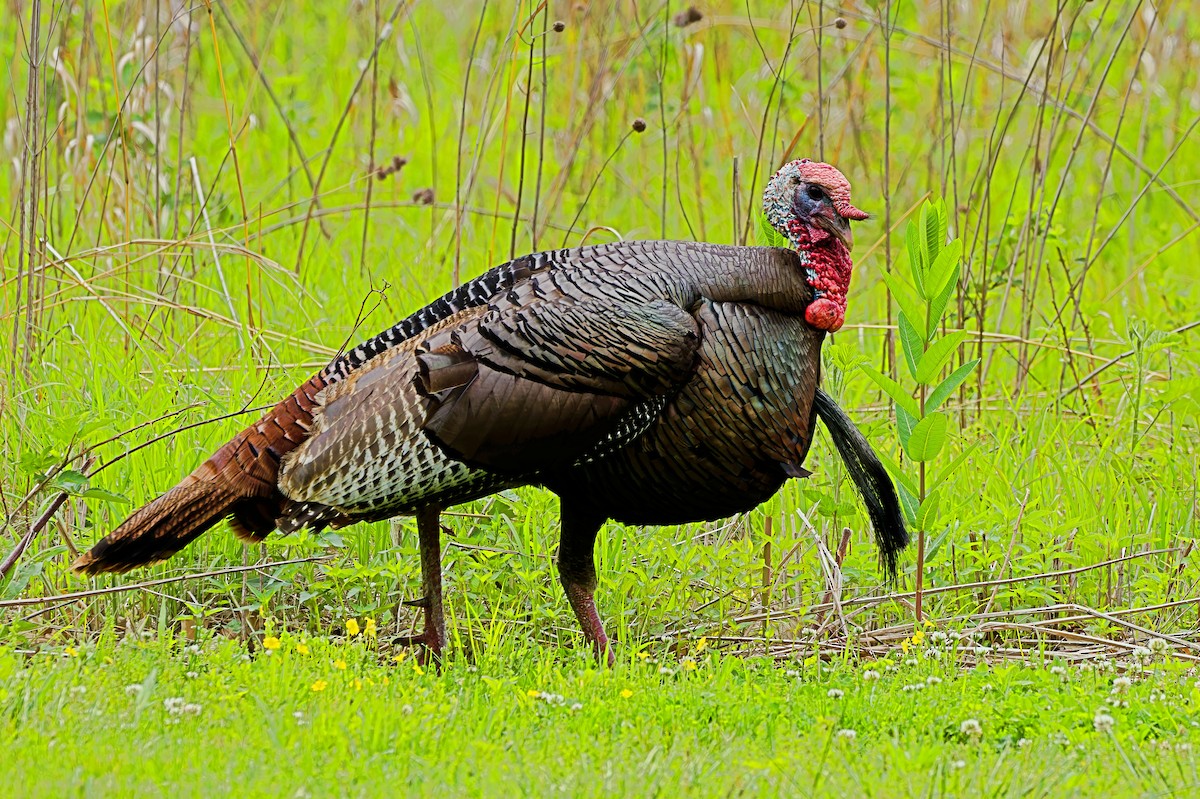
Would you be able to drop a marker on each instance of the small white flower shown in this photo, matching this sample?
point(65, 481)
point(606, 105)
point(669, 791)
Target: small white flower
point(937, 637)
point(576, 706)
point(986, 687)
point(191, 675)
point(133, 690)
point(1121, 684)
point(1158, 646)
point(932, 680)
point(1141, 654)
point(982, 650)
point(835, 693)
point(79, 689)
point(792, 673)
point(1058, 671)
point(173, 705)
point(406, 710)
point(957, 764)
point(933, 654)
point(1023, 742)
point(847, 735)
point(912, 662)
point(1103, 722)
point(971, 728)
point(191, 709)
point(871, 674)
point(914, 687)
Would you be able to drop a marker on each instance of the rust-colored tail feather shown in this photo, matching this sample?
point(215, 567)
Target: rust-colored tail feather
point(160, 529)
point(239, 480)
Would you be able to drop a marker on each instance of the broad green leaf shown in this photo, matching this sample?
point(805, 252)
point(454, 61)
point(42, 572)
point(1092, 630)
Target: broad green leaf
point(101, 495)
point(944, 269)
point(911, 343)
point(916, 263)
point(909, 303)
point(927, 513)
point(905, 422)
point(908, 503)
point(902, 478)
point(938, 355)
point(893, 390)
point(947, 386)
point(937, 306)
point(932, 547)
point(928, 438)
point(71, 481)
point(959, 460)
point(931, 226)
point(943, 221)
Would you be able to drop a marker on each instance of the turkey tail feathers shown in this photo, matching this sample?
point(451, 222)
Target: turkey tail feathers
point(161, 528)
point(871, 479)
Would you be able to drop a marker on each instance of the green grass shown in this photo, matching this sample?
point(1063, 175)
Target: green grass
point(140, 318)
point(156, 717)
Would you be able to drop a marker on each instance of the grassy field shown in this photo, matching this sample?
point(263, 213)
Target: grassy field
point(207, 202)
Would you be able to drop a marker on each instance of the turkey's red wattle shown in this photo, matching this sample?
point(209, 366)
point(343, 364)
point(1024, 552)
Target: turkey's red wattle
point(829, 265)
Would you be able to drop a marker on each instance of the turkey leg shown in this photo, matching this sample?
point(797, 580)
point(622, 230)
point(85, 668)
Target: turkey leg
point(429, 536)
point(577, 572)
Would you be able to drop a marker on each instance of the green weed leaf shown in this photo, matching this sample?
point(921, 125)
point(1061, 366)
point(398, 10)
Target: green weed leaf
point(927, 438)
point(912, 343)
point(947, 386)
point(937, 356)
point(910, 305)
point(893, 390)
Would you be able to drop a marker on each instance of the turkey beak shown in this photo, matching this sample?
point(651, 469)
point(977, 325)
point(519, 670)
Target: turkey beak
point(839, 226)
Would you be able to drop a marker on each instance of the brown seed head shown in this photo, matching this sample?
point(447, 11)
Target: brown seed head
point(638, 125)
point(839, 23)
point(559, 26)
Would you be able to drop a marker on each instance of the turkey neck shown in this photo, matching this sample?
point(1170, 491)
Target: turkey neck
point(770, 277)
point(828, 268)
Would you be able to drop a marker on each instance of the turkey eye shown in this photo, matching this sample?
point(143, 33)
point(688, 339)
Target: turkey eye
point(815, 193)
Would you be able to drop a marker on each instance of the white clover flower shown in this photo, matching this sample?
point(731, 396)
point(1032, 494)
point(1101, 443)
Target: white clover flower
point(957, 764)
point(1058, 671)
point(792, 673)
point(982, 650)
point(971, 728)
point(938, 638)
point(1158, 646)
point(932, 680)
point(191, 675)
point(79, 689)
point(173, 705)
point(1141, 654)
point(191, 709)
point(914, 687)
point(576, 706)
point(912, 662)
point(847, 735)
point(1103, 722)
point(871, 674)
point(406, 710)
point(835, 693)
point(1121, 684)
point(1023, 742)
point(986, 688)
point(933, 654)
point(133, 690)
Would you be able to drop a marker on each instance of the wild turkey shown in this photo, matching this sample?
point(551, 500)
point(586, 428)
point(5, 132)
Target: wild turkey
point(652, 382)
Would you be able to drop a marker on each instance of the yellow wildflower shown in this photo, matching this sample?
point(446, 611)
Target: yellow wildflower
point(400, 656)
point(689, 665)
point(918, 637)
point(533, 693)
point(71, 652)
point(302, 649)
point(319, 685)
point(417, 668)
point(339, 664)
point(643, 655)
point(701, 645)
point(357, 684)
point(904, 645)
point(386, 681)
point(369, 628)
point(625, 694)
point(929, 623)
point(271, 643)
point(352, 627)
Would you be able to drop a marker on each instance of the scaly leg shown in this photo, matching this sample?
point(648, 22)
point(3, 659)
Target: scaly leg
point(429, 534)
point(577, 572)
